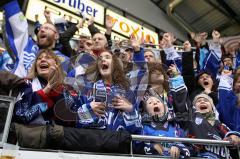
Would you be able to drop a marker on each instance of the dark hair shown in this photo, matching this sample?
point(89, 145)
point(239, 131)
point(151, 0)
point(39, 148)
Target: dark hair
point(201, 72)
point(224, 56)
point(129, 49)
point(214, 88)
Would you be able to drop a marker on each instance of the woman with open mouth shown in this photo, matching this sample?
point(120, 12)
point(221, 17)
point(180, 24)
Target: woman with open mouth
point(43, 85)
point(45, 113)
point(111, 104)
point(34, 109)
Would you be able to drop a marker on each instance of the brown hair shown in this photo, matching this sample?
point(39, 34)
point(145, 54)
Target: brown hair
point(33, 71)
point(156, 66)
point(118, 75)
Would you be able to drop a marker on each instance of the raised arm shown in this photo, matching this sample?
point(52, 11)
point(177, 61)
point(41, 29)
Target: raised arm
point(66, 36)
point(227, 106)
point(93, 29)
point(179, 91)
point(212, 59)
point(188, 67)
point(109, 24)
point(47, 16)
point(17, 37)
point(172, 57)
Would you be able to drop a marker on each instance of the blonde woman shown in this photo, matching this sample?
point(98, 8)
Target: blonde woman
point(42, 89)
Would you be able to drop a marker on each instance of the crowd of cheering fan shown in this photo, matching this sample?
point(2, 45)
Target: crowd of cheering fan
point(94, 96)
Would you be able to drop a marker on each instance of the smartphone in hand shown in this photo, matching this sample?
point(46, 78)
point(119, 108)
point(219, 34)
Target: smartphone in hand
point(100, 95)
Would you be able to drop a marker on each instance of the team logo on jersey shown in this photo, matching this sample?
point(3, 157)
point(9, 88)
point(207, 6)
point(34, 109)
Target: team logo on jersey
point(198, 120)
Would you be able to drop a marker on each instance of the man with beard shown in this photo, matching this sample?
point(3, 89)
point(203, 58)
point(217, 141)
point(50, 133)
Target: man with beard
point(22, 45)
point(47, 36)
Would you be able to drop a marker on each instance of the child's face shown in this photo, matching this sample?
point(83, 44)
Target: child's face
point(203, 105)
point(205, 80)
point(155, 107)
point(227, 62)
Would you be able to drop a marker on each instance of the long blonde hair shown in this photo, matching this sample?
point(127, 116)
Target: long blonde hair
point(33, 71)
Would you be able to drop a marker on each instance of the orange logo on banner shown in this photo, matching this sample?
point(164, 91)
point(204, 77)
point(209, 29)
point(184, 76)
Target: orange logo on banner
point(131, 30)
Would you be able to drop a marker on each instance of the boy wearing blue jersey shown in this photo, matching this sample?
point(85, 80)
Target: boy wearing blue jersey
point(157, 121)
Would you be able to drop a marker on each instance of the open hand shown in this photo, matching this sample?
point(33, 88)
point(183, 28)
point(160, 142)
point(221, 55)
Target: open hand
point(135, 41)
point(47, 14)
point(110, 22)
point(90, 20)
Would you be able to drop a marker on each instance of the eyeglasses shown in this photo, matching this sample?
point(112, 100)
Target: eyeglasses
point(47, 28)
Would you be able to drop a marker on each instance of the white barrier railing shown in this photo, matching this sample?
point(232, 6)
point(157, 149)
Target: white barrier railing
point(183, 140)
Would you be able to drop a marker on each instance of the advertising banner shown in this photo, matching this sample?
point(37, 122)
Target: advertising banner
point(127, 27)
